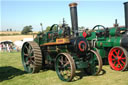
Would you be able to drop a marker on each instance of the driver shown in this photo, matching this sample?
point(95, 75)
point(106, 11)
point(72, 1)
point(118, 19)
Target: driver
point(60, 30)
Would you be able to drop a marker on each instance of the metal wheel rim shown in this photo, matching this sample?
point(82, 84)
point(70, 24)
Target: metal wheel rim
point(61, 67)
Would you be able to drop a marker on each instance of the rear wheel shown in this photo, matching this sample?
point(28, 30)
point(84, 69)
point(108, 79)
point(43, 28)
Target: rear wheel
point(31, 57)
point(95, 63)
point(65, 67)
point(118, 58)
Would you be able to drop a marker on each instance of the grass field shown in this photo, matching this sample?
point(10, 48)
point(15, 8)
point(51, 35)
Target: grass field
point(12, 73)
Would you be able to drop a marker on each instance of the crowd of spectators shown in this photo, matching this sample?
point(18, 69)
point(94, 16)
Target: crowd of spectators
point(8, 47)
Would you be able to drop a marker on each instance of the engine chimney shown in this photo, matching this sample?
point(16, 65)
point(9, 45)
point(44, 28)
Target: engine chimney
point(126, 14)
point(73, 12)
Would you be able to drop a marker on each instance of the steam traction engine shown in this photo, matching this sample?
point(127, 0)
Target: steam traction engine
point(62, 49)
point(111, 43)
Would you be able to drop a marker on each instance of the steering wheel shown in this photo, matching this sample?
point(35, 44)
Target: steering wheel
point(99, 31)
point(99, 27)
point(52, 27)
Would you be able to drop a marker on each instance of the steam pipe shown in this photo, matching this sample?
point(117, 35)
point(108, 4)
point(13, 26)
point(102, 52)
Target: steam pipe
point(126, 14)
point(74, 21)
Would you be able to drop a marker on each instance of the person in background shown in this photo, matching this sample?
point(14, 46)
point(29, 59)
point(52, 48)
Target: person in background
point(8, 47)
point(0, 47)
point(17, 49)
point(4, 48)
point(11, 47)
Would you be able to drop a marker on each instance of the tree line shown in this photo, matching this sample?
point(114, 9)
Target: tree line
point(28, 29)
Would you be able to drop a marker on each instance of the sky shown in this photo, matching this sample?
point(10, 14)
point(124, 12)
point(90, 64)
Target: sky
point(15, 14)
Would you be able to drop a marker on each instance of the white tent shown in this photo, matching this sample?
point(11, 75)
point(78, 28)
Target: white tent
point(27, 39)
point(18, 43)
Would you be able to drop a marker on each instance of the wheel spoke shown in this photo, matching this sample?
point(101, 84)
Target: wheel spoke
point(122, 54)
point(66, 64)
point(25, 54)
point(26, 59)
point(114, 62)
point(121, 66)
point(113, 59)
point(27, 63)
point(118, 52)
point(114, 55)
point(122, 62)
point(115, 52)
point(117, 64)
point(30, 49)
point(66, 60)
point(32, 61)
point(61, 60)
point(31, 56)
point(123, 58)
point(26, 48)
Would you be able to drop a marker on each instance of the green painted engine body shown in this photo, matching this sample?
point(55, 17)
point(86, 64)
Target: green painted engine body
point(104, 43)
point(51, 51)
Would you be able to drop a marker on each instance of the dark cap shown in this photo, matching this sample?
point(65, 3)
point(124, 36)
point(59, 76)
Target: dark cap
point(125, 2)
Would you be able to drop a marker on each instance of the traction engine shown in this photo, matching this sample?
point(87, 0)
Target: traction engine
point(63, 49)
point(111, 43)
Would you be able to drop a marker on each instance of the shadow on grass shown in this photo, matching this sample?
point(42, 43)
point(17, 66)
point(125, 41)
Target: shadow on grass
point(102, 72)
point(9, 72)
point(79, 75)
point(126, 69)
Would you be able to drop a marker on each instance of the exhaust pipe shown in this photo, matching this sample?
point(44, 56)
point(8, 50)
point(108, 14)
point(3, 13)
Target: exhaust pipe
point(126, 14)
point(74, 21)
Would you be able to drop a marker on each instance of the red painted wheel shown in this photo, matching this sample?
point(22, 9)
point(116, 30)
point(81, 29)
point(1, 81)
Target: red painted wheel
point(118, 58)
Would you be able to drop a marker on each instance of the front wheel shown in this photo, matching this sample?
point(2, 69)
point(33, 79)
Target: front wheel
point(118, 58)
point(65, 66)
